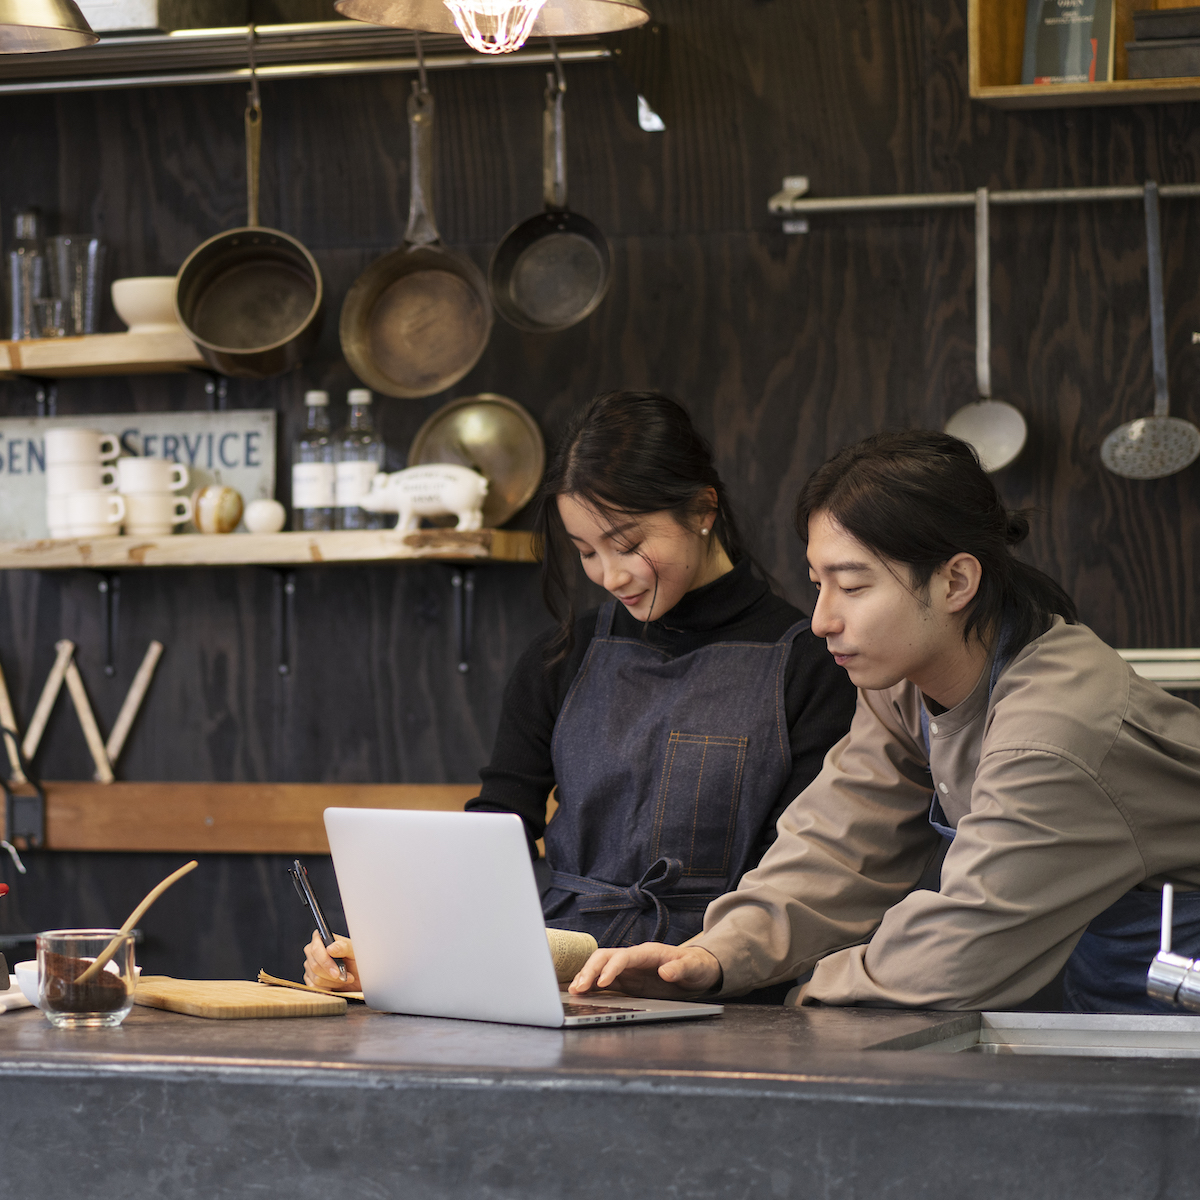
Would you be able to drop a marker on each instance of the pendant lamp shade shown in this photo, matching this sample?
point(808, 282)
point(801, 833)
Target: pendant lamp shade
point(556, 18)
point(28, 26)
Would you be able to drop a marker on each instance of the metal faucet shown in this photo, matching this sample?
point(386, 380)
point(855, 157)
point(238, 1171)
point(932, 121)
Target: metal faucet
point(1172, 977)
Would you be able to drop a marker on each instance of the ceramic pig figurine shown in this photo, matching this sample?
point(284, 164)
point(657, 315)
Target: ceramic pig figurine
point(429, 491)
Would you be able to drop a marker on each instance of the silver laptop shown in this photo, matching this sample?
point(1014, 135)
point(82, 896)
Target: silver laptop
point(446, 921)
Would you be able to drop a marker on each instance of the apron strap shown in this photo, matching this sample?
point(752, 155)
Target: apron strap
point(650, 893)
point(604, 619)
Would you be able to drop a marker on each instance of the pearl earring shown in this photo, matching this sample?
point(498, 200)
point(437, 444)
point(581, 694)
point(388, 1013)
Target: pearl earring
point(705, 532)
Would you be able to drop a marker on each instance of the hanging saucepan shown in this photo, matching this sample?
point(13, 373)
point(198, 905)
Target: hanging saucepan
point(417, 320)
point(1152, 447)
point(552, 270)
point(251, 298)
point(994, 428)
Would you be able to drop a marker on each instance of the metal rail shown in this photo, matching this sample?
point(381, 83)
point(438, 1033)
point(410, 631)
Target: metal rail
point(801, 207)
point(358, 66)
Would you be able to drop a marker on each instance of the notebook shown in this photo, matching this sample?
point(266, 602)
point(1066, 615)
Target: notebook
point(446, 921)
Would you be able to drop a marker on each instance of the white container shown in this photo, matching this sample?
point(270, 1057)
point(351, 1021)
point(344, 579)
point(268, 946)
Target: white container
point(70, 444)
point(79, 477)
point(146, 303)
point(154, 514)
point(265, 516)
point(95, 513)
point(150, 475)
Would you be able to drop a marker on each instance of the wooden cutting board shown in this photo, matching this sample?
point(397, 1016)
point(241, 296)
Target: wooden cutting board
point(232, 999)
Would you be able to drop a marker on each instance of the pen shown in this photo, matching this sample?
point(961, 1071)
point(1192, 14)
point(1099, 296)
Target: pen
point(308, 896)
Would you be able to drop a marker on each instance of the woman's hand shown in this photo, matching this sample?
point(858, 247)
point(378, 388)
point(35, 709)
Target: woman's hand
point(320, 965)
point(651, 969)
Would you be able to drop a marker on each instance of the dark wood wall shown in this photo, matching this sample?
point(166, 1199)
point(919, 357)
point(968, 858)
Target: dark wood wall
point(785, 348)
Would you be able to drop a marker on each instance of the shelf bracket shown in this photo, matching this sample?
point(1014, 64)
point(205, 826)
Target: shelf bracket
point(463, 584)
point(216, 388)
point(285, 619)
point(109, 588)
point(45, 395)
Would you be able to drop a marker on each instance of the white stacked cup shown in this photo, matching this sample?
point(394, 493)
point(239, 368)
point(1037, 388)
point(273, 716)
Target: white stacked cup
point(148, 487)
point(80, 478)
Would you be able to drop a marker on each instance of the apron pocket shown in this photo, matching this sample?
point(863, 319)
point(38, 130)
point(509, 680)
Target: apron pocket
point(698, 801)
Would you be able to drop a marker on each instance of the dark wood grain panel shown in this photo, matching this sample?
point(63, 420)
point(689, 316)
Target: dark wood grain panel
point(785, 348)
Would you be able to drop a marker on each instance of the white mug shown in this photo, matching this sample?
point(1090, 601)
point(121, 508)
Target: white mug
point(79, 477)
point(71, 445)
point(151, 475)
point(153, 514)
point(95, 513)
point(56, 516)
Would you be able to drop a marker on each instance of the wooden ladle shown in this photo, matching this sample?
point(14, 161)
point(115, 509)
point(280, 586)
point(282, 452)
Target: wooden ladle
point(133, 918)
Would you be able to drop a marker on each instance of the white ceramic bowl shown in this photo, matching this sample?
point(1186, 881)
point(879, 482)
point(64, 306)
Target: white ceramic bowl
point(146, 303)
point(26, 973)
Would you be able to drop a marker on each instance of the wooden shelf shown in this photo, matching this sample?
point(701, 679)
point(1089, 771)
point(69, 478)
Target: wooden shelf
point(100, 354)
point(237, 818)
point(995, 48)
point(269, 549)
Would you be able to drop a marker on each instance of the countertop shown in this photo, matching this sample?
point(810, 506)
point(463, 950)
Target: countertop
point(762, 1100)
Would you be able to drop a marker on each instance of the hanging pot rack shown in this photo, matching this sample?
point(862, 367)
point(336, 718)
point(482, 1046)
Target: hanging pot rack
point(294, 51)
point(791, 201)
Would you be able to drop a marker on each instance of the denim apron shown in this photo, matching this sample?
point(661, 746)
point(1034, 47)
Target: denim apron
point(1106, 972)
point(666, 769)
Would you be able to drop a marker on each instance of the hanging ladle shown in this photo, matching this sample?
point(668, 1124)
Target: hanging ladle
point(1152, 447)
point(995, 429)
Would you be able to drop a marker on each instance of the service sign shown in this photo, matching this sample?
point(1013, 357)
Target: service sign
point(234, 448)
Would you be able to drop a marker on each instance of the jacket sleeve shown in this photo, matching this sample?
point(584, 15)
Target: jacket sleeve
point(1019, 885)
point(850, 846)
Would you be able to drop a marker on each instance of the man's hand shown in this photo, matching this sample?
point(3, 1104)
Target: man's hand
point(651, 969)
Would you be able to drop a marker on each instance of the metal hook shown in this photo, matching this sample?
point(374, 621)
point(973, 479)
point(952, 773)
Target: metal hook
point(558, 67)
point(252, 95)
point(420, 60)
point(12, 850)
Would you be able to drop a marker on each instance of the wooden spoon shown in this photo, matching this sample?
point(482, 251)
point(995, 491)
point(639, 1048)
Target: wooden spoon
point(133, 919)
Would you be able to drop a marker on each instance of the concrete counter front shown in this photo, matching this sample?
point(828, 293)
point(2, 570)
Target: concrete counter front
point(761, 1102)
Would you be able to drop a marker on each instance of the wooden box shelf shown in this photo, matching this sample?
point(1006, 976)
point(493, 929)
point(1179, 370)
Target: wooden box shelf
point(995, 47)
point(270, 549)
point(100, 354)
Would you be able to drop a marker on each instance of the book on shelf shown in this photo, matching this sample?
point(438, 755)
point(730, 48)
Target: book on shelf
point(1069, 41)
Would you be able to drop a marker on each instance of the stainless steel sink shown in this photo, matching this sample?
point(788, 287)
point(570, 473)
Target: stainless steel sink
point(1101, 1035)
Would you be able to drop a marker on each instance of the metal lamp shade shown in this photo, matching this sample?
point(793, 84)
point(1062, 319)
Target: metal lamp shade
point(29, 26)
point(558, 18)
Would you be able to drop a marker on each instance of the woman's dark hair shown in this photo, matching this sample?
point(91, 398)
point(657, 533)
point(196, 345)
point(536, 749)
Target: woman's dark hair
point(919, 498)
point(624, 453)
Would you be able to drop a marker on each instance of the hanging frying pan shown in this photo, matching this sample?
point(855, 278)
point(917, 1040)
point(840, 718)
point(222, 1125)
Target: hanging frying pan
point(994, 428)
point(552, 270)
point(417, 320)
point(250, 298)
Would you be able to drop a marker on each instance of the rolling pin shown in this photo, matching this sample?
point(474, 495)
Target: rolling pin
point(91, 731)
point(9, 721)
point(41, 714)
point(133, 701)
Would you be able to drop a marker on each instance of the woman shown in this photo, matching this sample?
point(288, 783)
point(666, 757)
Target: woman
point(678, 720)
point(1068, 787)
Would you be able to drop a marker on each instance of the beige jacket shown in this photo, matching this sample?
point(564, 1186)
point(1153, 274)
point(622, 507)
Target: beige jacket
point(1074, 783)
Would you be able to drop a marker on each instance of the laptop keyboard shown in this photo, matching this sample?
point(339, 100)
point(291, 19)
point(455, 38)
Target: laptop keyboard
point(590, 1010)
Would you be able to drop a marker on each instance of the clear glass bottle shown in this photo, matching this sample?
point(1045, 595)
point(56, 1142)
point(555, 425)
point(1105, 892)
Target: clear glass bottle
point(26, 274)
point(314, 470)
point(359, 459)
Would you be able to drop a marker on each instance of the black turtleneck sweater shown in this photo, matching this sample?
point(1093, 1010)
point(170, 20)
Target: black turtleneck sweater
point(819, 697)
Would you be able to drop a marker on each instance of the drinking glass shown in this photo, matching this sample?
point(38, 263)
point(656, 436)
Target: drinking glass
point(50, 317)
point(76, 274)
point(103, 1001)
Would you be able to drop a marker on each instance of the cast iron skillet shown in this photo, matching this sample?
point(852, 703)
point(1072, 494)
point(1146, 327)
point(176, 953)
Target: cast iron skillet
point(250, 298)
point(417, 320)
point(552, 270)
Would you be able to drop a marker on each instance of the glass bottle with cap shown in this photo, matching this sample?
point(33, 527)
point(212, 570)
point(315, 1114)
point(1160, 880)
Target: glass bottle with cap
point(26, 274)
point(359, 460)
point(314, 470)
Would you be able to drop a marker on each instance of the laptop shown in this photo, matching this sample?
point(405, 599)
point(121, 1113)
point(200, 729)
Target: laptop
point(446, 921)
